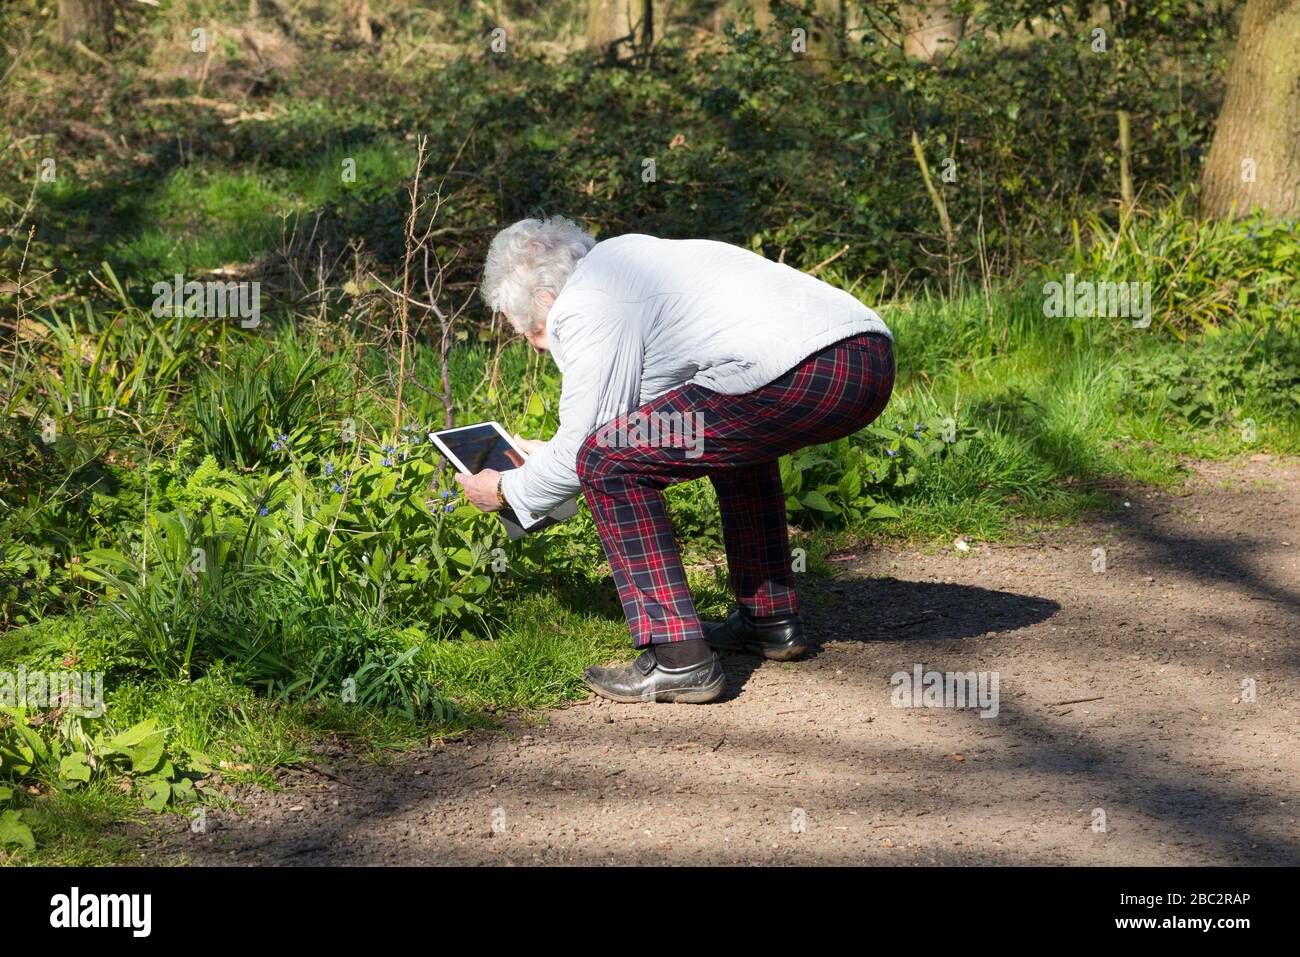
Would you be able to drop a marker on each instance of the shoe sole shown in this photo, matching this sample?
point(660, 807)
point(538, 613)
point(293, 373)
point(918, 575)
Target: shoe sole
point(771, 652)
point(701, 695)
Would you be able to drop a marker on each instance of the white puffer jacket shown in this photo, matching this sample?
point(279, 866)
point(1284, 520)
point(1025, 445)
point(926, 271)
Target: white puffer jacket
point(640, 316)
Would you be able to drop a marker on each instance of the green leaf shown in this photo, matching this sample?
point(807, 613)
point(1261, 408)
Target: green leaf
point(183, 791)
point(884, 511)
point(818, 501)
point(16, 757)
point(157, 791)
point(74, 767)
point(791, 475)
point(142, 745)
point(38, 749)
point(134, 735)
point(14, 831)
point(146, 757)
point(230, 498)
point(851, 485)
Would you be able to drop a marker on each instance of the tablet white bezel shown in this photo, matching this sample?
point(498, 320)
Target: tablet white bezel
point(523, 519)
point(451, 456)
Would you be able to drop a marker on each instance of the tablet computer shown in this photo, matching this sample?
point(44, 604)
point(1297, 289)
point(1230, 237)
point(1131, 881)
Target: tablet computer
point(473, 448)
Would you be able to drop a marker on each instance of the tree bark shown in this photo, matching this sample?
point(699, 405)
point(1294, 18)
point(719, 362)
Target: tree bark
point(610, 27)
point(836, 14)
point(931, 30)
point(1254, 160)
point(356, 21)
point(90, 21)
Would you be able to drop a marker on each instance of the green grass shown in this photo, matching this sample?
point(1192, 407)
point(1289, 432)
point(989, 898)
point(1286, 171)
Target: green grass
point(205, 215)
point(1052, 401)
point(90, 827)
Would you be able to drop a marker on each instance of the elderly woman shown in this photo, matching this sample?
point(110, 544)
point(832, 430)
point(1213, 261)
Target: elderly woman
point(681, 359)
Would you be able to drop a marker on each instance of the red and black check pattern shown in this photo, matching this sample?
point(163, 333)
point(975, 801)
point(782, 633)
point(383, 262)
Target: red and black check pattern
point(830, 394)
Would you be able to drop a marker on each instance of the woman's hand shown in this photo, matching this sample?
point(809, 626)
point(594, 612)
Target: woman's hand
point(481, 488)
point(528, 445)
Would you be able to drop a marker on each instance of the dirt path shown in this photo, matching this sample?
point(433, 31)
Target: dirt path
point(1201, 590)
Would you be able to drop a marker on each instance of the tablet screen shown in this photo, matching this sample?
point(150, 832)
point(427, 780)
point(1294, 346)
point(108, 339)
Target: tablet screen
point(481, 447)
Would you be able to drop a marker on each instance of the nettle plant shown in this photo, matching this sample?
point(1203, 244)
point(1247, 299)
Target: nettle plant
point(362, 537)
point(382, 532)
point(61, 748)
point(860, 477)
point(1233, 371)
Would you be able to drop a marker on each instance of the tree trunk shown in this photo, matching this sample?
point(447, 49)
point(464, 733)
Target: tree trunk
point(826, 42)
point(610, 26)
point(356, 21)
point(835, 14)
point(1255, 157)
point(930, 30)
point(90, 21)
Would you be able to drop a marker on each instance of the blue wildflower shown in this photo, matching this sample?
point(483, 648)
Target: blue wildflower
point(449, 508)
point(275, 446)
point(329, 468)
point(338, 487)
point(891, 453)
point(386, 463)
point(262, 510)
point(446, 494)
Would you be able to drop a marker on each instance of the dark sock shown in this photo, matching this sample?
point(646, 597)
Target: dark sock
point(763, 619)
point(682, 654)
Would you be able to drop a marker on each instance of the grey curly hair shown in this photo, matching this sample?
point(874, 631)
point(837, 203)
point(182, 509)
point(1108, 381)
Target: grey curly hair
point(527, 260)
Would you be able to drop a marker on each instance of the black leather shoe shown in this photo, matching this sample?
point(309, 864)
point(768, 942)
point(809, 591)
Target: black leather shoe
point(647, 680)
point(779, 638)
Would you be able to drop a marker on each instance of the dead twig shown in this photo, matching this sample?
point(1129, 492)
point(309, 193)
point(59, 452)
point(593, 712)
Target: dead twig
point(827, 262)
point(1061, 704)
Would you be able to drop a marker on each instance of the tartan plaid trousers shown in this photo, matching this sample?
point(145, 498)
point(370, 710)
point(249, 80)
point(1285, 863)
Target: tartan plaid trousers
point(736, 440)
